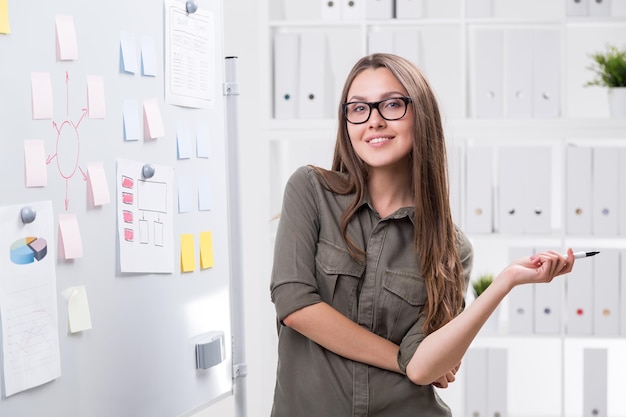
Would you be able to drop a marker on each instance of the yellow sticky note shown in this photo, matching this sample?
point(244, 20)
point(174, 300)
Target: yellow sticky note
point(78, 310)
point(206, 250)
point(187, 253)
point(5, 27)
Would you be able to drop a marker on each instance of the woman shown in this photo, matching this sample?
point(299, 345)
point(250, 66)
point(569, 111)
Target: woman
point(370, 272)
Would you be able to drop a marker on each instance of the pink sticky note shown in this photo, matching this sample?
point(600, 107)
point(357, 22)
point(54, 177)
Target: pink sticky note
point(35, 163)
point(67, 48)
point(98, 183)
point(69, 233)
point(152, 119)
point(95, 97)
point(41, 87)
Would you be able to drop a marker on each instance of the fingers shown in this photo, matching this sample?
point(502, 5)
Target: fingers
point(552, 263)
point(446, 379)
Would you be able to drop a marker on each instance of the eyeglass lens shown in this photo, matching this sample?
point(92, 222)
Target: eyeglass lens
point(390, 109)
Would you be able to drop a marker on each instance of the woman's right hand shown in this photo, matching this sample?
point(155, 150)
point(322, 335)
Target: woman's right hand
point(538, 268)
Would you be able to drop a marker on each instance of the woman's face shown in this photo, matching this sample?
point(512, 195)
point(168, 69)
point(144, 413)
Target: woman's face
point(378, 142)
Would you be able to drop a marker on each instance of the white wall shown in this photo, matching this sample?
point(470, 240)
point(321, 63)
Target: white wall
point(242, 22)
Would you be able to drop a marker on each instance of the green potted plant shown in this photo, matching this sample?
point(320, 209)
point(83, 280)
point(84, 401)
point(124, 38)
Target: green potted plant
point(609, 68)
point(479, 285)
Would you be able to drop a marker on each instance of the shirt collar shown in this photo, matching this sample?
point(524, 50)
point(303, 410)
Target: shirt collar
point(402, 212)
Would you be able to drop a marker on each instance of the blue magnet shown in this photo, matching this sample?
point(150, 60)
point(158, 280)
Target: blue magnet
point(192, 6)
point(147, 171)
point(28, 214)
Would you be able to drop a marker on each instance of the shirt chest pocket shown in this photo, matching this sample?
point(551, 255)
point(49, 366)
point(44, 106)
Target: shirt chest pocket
point(401, 300)
point(338, 277)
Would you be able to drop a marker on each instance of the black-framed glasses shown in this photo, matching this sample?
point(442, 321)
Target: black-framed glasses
point(393, 108)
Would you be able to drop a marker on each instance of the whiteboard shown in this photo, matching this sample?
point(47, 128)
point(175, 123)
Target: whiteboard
point(138, 358)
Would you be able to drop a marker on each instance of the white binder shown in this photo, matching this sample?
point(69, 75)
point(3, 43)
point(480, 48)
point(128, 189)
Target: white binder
point(409, 9)
point(286, 58)
point(605, 187)
point(578, 187)
point(577, 7)
point(595, 382)
point(380, 41)
point(479, 8)
point(606, 271)
point(546, 73)
point(622, 192)
point(406, 43)
point(313, 76)
point(379, 9)
point(548, 307)
point(579, 298)
point(538, 209)
point(618, 8)
point(479, 189)
point(548, 304)
point(330, 9)
point(512, 188)
point(519, 73)
point(523, 207)
point(488, 75)
point(622, 296)
point(352, 9)
point(497, 382)
point(475, 368)
point(455, 165)
point(599, 8)
point(521, 299)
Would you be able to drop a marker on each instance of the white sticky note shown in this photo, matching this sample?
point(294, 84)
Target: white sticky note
point(153, 124)
point(35, 163)
point(41, 87)
point(67, 47)
point(95, 97)
point(79, 317)
point(69, 234)
point(148, 56)
point(128, 52)
point(132, 129)
point(98, 184)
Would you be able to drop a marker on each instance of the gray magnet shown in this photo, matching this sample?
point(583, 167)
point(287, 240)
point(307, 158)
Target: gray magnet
point(147, 171)
point(28, 214)
point(192, 6)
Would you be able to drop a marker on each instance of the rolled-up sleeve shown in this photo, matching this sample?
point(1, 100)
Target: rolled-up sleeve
point(415, 335)
point(293, 284)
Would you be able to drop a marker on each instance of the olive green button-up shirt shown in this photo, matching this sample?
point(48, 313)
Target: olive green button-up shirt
point(386, 295)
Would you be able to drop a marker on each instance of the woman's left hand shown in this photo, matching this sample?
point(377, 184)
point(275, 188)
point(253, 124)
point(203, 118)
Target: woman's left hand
point(445, 380)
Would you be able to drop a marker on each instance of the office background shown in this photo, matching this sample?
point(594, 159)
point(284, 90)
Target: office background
point(272, 147)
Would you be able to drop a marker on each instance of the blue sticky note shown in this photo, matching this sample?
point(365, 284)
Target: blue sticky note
point(205, 199)
point(202, 139)
point(128, 52)
point(132, 130)
point(183, 140)
point(185, 195)
point(148, 56)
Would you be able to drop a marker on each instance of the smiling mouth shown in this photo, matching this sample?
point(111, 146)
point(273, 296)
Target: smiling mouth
point(378, 140)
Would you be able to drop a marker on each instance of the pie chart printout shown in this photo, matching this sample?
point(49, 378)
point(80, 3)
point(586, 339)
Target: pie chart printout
point(28, 250)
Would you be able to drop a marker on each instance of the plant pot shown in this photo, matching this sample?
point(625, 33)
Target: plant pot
point(617, 102)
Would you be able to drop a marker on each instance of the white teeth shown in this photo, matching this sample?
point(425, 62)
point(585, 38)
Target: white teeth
point(378, 140)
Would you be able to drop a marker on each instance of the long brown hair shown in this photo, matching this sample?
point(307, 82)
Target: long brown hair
point(435, 238)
